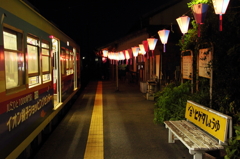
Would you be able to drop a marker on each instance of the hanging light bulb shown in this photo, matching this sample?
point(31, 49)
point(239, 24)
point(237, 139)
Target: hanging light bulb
point(220, 7)
point(163, 34)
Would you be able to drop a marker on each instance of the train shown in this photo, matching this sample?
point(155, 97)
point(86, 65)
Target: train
point(40, 74)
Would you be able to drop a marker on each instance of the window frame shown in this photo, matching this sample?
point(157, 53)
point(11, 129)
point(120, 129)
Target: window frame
point(21, 60)
point(47, 43)
point(38, 73)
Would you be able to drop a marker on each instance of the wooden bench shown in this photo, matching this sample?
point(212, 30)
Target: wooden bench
point(204, 130)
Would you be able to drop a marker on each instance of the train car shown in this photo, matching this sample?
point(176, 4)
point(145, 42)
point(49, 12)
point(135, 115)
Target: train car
point(39, 75)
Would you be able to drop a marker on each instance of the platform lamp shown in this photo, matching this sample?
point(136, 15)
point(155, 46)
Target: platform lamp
point(199, 12)
point(183, 23)
point(163, 34)
point(152, 44)
point(220, 7)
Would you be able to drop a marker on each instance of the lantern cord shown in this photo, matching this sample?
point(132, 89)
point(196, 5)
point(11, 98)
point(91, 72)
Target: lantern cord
point(220, 22)
point(164, 48)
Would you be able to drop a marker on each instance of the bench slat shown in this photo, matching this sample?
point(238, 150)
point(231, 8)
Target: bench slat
point(191, 136)
point(210, 141)
point(196, 135)
point(188, 143)
point(182, 126)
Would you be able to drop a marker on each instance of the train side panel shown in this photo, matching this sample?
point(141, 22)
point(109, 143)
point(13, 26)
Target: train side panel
point(27, 99)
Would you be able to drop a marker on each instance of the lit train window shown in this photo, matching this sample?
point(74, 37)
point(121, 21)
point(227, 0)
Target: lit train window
point(46, 76)
point(14, 59)
point(33, 60)
point(63, 61)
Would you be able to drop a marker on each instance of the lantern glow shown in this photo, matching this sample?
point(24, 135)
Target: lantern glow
point(163, 34)
point(143, 52)
point(152, 44)
point(105, 53)
point(183, 23)
point(135, 51)
point(127, 56)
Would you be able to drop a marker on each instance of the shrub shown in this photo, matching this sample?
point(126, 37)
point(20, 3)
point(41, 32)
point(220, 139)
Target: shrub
point(171, 102)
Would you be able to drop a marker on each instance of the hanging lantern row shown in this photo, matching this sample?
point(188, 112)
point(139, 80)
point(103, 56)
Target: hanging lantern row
point(200, 11)
point(143, 48)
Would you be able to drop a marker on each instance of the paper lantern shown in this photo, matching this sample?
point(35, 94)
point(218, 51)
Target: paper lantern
point(220, 7)
point(163, 34)
point(105, 53)
point(199, 12)
point(152, 44)
point(183, 23)
point(135, 51)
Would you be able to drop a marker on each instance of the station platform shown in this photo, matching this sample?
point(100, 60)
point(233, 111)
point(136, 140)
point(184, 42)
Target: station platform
point(107, 124)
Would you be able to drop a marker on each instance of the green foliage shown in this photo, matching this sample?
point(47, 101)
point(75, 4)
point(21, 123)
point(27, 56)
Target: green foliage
point(171, 101)
point(193, 2)
point(233, 147)
point(225, 64)
point(189, 40)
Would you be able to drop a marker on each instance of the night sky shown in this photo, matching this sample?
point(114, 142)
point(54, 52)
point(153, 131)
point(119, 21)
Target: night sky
point(95, 23)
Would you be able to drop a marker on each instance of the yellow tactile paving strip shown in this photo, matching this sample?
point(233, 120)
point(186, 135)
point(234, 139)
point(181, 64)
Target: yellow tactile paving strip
point(94, 147)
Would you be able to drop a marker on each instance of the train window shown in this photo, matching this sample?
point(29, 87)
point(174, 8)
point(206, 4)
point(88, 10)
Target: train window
point(63, 61)
point(14, 59)
point(33, 60)
point(45, 62)
point(69, 60)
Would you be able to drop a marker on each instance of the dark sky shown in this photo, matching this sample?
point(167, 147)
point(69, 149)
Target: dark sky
point(95, 23)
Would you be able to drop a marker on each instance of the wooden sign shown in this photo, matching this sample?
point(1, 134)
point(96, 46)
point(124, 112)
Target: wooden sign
point(204, 62)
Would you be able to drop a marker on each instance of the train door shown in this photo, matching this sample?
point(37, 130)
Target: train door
point(75, 68)
point(56, 73)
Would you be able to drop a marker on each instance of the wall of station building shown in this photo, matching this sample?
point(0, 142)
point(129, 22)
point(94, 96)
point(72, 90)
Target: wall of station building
point(168, 16)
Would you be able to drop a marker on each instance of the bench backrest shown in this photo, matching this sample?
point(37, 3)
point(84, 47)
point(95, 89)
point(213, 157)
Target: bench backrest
point(211, 121)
